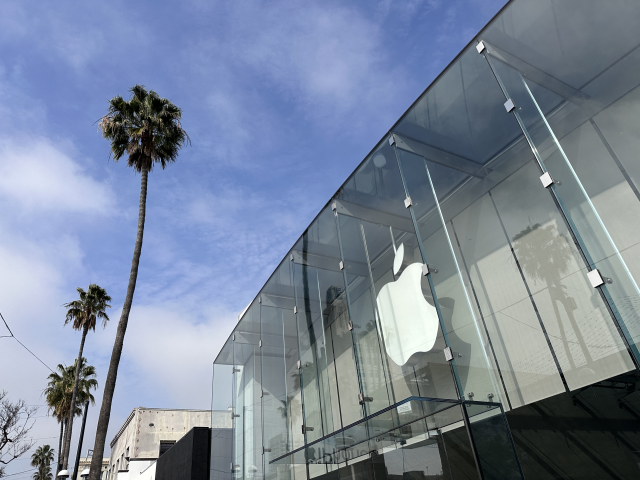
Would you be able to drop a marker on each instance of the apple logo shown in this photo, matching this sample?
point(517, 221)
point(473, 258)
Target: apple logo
point(408, 322)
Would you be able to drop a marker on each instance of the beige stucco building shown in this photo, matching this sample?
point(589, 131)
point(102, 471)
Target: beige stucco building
point(149, 432)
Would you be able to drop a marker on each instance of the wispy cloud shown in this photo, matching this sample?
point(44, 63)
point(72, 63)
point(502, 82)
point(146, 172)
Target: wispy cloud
point(36, 174)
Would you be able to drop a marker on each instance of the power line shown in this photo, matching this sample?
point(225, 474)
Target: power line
point(14, 337)
point(12, 474)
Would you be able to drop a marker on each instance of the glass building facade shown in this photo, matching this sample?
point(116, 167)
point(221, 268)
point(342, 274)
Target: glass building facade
point(466, 306)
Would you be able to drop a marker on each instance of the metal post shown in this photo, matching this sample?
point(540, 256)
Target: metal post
point(84, 421)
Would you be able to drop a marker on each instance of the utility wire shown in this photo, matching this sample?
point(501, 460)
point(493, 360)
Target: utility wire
point(14, 337)
point(12, 474)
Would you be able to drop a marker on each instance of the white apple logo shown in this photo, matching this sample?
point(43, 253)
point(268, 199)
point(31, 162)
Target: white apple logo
point(408, 322)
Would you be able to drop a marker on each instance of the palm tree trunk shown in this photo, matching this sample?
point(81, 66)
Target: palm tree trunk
point(110, 384)
point(58, 467)
point(74, 394)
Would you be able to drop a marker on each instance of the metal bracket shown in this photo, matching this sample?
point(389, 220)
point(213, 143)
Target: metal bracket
point(260, 299)
point(234, 337)
point(260, 343)
point(299, 364)
point(350, 325)
point(306, 429)
point(295, 309)
point(448, 354)
point(407, 202)
point(362, 399)
point(235, 415)
point(234, 370)
point(480, 47)
point(341, 265)
point(334, 206)
point(291, 258)
point(265, 450)
point(392, 140)
point(509, 106)
point(425, 269)
point(595, 278)
point(546, 180)
point(263, 393)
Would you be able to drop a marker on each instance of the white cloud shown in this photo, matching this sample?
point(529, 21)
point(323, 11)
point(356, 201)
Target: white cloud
point(36, 174)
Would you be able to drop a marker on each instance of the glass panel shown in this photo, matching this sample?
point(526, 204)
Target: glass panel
point(493, 443)
point(248, 388)
point(274, 388)
point(221, 438)
point(395, 325)
point(282, 403)
point(526, 365)
point(471, 364)
point(576, 319)
point(578, 103)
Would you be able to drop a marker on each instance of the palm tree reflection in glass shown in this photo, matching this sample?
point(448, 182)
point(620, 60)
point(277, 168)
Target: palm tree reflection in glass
point(545, 256)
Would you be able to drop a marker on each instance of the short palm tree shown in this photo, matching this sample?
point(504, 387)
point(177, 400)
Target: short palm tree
point(43, 474)
point(83, 314)
point(41, 459)
point(147, 129)
point(60, 388)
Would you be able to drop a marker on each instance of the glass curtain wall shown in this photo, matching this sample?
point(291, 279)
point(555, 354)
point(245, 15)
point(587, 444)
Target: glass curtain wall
point(446, 267)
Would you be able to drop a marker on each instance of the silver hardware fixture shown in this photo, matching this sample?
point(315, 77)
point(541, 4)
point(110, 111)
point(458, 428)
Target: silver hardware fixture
point(265, 450)
point(460, 355)
point(480, 47)
point(392, 140)
point(470, 394)
point(546, 180)
point(260, 343)
point(235, 415)
point(295, 309)
point(299, 365)
point(448, 354)
point(362, 399)
point(306, 429)
point(595, 278)
point(234, 370)
point(407, 202)
point(291, 257)
point(607, 280)
point(334, 206)
point(263, 393)
point(350, 325)
point(425, 269)
point(235, 467)
point(234, 337)
point(490, 396)
point(509, 106)
point(341, 265)
point(259, 299)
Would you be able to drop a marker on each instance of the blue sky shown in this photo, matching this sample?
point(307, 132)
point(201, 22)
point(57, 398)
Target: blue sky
point(282, 100)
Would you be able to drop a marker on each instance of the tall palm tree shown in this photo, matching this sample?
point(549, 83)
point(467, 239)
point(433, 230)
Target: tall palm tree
point(147, 129)
point(41, 459)
point(83, 314)
point(59, 390)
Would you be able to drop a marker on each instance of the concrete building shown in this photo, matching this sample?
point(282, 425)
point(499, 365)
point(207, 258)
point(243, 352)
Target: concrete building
point(149, 432)
point(85, 462)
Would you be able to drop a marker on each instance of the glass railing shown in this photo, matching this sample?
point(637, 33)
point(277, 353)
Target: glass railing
point(410, 421)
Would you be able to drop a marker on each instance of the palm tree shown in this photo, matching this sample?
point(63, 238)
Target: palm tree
point(147, 129)
point(83, 314)
point(43, 474)
point(59, 390)
point(41, 459)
